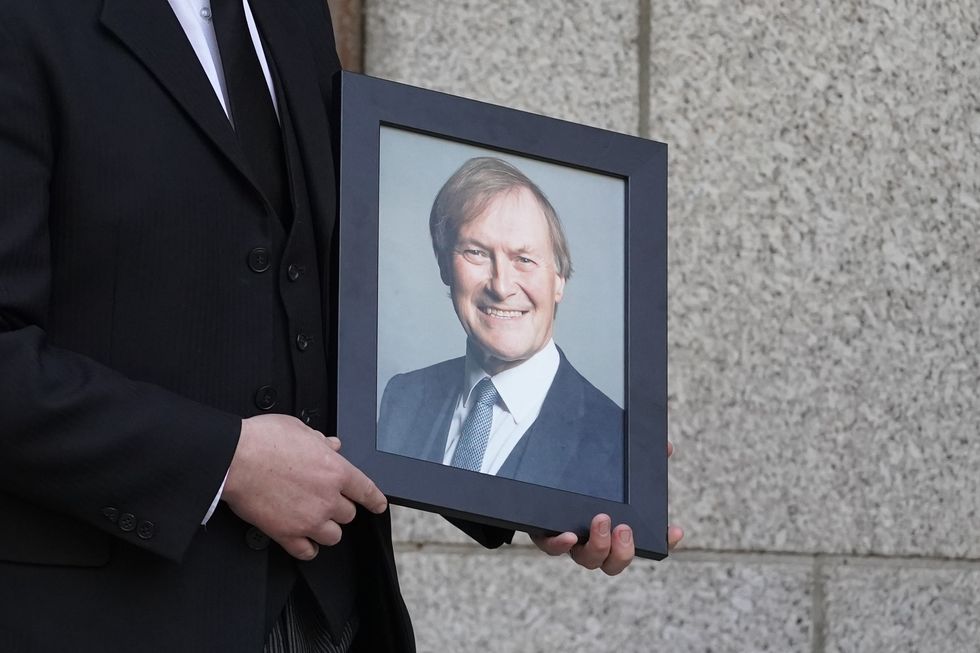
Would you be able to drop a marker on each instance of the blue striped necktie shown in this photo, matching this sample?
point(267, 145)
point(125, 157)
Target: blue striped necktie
point(475, 434)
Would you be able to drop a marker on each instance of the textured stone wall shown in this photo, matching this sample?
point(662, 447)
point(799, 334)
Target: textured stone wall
point(824, 311)
point(348, 28)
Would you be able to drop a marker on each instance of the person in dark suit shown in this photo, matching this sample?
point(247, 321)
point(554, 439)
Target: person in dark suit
point(166, 192)
point(513, 406)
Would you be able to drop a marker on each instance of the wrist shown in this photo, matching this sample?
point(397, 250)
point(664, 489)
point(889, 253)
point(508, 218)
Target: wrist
point(232, 479)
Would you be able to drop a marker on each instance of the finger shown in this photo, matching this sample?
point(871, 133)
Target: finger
point(621, 550)
point(333, 442)
point(674, 535)
point(300, 548)
point(670, 448)
point(360, 489)
point(594, 552)
point(328, 534)
point(344, 512)
point(556, 545)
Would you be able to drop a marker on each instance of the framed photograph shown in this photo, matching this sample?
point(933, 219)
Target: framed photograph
point(502, 312)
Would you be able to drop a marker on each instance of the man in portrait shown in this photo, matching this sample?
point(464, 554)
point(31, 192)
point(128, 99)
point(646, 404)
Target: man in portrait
point(513, 406)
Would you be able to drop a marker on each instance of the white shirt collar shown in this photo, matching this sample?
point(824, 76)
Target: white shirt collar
point(523, 388)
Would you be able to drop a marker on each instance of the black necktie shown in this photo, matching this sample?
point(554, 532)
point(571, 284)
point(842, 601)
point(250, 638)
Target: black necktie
point(251, 108)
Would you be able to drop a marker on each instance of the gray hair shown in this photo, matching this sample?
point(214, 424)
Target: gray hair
point(465, 196)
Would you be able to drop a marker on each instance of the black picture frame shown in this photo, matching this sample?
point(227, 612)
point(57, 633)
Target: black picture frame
point(366, 104)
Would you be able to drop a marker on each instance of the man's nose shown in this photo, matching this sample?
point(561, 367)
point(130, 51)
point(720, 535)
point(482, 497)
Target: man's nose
point(502, 281)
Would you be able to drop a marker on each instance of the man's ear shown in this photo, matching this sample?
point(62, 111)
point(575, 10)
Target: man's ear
point(559, 288)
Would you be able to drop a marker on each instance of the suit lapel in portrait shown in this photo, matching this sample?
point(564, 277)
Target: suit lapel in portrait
point(437, 410)
point(542, 453)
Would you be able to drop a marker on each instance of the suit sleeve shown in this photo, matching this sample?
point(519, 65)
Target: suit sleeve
point(316, 15)
point(489, 536)
point(77, 438)
point(391, 416)
point(384, 416)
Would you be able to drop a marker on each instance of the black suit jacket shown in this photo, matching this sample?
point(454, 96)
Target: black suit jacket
point(133, 333)
point(575, 444)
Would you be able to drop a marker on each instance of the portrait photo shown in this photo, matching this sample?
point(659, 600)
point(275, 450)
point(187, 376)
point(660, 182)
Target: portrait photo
point(501, 314)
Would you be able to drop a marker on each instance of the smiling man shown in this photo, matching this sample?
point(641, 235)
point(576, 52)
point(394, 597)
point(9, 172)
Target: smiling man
point(513, 406)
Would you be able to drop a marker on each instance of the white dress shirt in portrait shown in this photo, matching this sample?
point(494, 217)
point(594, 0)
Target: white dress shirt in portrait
point(522, 390)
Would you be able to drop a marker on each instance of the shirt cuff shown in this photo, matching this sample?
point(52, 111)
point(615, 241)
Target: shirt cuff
point(214, 504)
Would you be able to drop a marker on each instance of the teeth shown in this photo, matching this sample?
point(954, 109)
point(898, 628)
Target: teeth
point(496, 312)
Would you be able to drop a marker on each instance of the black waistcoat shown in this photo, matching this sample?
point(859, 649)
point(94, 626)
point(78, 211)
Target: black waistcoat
point(301, 372)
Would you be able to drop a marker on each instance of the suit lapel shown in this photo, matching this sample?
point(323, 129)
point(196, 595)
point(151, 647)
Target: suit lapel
point(436, 411)
point(149, 29)
point(283, 32)
point(541, 454)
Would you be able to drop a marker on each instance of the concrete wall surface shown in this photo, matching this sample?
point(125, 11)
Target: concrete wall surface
point(824, 308)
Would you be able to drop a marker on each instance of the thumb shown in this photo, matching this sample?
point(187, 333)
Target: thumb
point(555, 545)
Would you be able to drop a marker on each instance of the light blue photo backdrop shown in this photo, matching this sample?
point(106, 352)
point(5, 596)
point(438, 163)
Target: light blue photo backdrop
point(417, 326)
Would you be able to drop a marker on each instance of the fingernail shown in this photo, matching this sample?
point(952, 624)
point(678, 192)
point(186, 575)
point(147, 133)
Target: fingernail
point(625, 536)
point(604, 527)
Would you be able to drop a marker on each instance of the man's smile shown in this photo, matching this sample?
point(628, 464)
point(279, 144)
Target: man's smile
point(501, 313)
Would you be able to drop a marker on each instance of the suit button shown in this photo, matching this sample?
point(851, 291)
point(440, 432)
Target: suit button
point(145, 530)
point(127, 522)
point(294, 272)
point(266, 397)
point(303, 342)
point(256, 539)
point(308, 415)
point(112, 514)
point(258, 259)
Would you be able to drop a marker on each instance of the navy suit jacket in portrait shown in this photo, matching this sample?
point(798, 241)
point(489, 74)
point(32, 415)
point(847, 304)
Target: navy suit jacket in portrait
point(575, 444)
